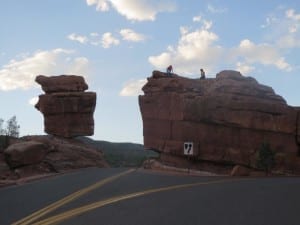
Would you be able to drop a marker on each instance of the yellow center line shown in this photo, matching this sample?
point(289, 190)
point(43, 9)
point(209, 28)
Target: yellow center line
point(38, 214)
point(80, 210)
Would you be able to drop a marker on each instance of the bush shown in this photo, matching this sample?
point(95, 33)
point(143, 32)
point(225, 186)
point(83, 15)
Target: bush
point(4, 142)
point(266, 157)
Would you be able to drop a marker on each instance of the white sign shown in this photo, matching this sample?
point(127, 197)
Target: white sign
point(188, 148)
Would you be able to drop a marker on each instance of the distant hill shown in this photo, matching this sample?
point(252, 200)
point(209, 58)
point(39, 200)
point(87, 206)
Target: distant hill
point(121, 154)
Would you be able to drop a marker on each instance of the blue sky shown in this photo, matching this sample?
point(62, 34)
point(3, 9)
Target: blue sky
point(116, 44)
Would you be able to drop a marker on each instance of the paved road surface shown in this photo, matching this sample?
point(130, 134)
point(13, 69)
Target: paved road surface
point(138, 197)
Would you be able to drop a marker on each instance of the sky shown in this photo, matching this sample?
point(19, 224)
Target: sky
point(116, 44)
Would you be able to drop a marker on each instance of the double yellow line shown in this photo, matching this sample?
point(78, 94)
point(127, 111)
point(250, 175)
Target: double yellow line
point(77, 211)
point(80, 210)
point(42, 212)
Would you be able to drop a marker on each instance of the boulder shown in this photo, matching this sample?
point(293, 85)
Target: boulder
point(67, 109)
point(227, 118)
point(25, 153)
point(35, 156)
point(70, 154)
point(240, 171)
point(61, 83)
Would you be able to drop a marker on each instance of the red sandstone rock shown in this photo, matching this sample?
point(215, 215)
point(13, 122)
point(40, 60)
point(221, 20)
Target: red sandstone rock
point(62, 83)
point(227, 118)
point(42, 155)
point(66, 154)
point(67, 110)
point(240, 171)
point(25, 153)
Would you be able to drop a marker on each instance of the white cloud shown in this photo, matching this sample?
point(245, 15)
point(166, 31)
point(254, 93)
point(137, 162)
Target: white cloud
point(184, 30)
point(282, 64)
point(20, 73)
point(215, 10)
point(101, 5)
point(283, 28)
point(198, 48)
point(290, 13)
point(92, 39)
point(79, 38)
point(78, 66)
point(33, 100)
point(195, 49)
point(94, 34)
point(95, 39)
point(139, 10)
point(108, 40)
point(206, 24)
point(130, 35)
point(265, 54)
point(269, 21)
point(288, 41)
point(133, 88)
point(290, 37)
point(197, 18)
point(244, 68)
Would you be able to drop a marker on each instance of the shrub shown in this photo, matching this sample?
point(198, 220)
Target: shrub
point(4, 142)
point(266, 157)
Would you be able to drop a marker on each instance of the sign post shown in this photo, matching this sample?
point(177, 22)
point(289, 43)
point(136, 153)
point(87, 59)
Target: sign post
point(188, 148)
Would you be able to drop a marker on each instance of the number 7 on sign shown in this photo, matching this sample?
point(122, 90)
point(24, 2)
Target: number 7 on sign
point(188, 148)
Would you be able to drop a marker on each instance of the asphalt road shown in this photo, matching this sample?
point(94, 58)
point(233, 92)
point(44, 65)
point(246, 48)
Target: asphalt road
point(138, 197)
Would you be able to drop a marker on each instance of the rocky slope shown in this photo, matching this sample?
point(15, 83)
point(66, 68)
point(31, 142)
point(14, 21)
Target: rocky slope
point(31, 156)
point(226, 119)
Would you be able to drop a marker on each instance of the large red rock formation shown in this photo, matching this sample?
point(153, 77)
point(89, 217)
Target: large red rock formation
point(67, 109)
point(226, 118)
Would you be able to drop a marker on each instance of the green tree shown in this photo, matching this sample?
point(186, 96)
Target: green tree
point(266, 157)
point(2, 131)
point(12, 128)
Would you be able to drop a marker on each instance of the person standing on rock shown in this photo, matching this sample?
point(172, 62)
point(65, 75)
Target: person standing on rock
point(202, 74)
point(170, 70)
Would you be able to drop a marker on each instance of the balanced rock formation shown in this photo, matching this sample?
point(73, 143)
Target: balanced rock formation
point(67, 109)
point(219, 122)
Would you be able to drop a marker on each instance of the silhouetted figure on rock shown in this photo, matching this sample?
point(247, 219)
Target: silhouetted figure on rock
point(202, 74)
point(169, 70)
